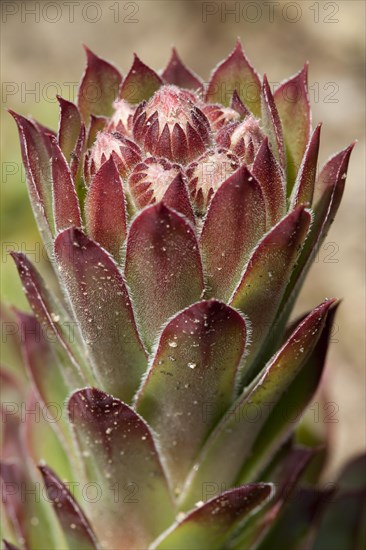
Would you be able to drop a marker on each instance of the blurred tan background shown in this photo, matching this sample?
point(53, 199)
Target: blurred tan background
point(42, 55)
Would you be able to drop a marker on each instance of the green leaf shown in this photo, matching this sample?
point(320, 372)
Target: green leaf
point(75, 526)
point(103, 310)
point(191, 381)
point(238, 447)
point(210, 525)
point(265, 277)
point(121, 462)
point(293, 105)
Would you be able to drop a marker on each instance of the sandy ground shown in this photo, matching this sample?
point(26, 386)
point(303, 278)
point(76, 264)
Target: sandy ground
point(41, 51)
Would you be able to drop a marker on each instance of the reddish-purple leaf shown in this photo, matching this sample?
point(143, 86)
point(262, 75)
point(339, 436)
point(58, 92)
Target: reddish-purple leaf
point(140, 83)
point(177, 73)
point(196, 362)
point(49, 313)
point(238, 106)
point(271, 178)
point(235, 222)
point(99, 87)
point(41, 362)
point(103, 311)
point(53, 378)
point(163, 267)
point(177, 198)
point(45, 440)
point(105, 210)
point(303, 189)
point(211, 524)
point(293, 105)
point(332, 178)
point(75, 526)
point(19, 500)
point(36, 160)
point(119, 456)
point(289, 465)
point(97, 124)
point(327, 196)
point(271, 123)
point(235, 73)
point(76, 164)
point(233, 442)
point(266, 276)
point(69, 127)
point(66, 208)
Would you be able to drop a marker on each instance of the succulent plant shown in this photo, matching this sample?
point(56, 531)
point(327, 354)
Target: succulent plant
point(180, 219)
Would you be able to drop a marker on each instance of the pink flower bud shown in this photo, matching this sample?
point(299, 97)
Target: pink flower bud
point(150, 179)
point(206, 174)
point(243, 138)
point(126, 154)
point(170, 125)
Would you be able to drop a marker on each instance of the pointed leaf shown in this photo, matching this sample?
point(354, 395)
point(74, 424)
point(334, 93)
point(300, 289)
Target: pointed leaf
point(235, 222)
point(120, 457)
point(99, 87)
point(232, 453)
point(293, 105)
point(36, 160)
point(140, 83)
point(210, 525)
point(76, 164)
point(303, 190)
point(50, 314)
point(103, 310)
point(22, 502)
point(176, 197)
point(75, 526)
point(44, 440)
point(271, 123)
point(97, 124)
point(177, 73)
point(289, 465)
point(69, 127)
point(327, 196)
point(238, 105)
point(53, 379)
point(332, 177)
point(195, 366)
point(66, 208)
point(163, 267)
point(295, 527)
point(235, 73)
point(265, 278)
point(105, 210)
point(271, 178)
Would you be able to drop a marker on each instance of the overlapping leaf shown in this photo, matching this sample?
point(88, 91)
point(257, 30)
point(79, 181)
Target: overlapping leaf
point(105, 209)
point(99, 87)
point(211, 525)
point(191, 381)
point(120, 458)
point(163, 267)
point(235, 73)
point(103, 311)
point(235, 222)
point(230, 454)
